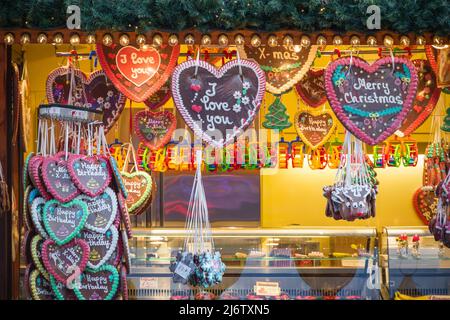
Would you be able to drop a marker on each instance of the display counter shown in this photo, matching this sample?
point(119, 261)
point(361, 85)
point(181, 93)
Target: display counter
point(262, 263)
point(413, 271)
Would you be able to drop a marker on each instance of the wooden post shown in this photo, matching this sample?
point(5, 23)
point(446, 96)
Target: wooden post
point(5, 153)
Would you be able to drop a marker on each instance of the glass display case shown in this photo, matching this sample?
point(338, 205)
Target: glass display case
point(287, 263)
point(413, 263)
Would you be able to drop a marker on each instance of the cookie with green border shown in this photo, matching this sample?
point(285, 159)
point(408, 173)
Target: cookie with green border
point(98, 284)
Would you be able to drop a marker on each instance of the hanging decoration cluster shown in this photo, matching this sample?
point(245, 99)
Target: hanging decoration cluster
point(354, 192)
point(199, 264)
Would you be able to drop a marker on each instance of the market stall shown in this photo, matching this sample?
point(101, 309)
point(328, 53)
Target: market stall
point(251, 154)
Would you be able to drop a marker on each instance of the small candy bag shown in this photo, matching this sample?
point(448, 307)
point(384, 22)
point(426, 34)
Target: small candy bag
point(353, 194)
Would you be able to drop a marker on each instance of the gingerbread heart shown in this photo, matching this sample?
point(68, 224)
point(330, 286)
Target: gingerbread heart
point(433, 57)
point(311, 88)
point(91, 175)
point(371, 100)
point(37, 206)
point(36, 255)
point(283, 65)
point(99, 284)
point(61, 291)
point(25, 175)
point(139, 188)
point(63, 261)
point(218, 104)
point(123, 282)
point(315, 127)
point(102, 245)
point(35, 173)
point(99, 93)
point(154, 128)
point(63, 221)
point(57, 179)
point(102, 211)
point(26, 210)
point(425, 204)
point(40, 287)
point(117, 177)
point(426, 98)
point(138, 72)
point(160, 97)
point(124, 215)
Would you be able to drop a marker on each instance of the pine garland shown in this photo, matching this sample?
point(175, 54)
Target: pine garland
point(264, 15)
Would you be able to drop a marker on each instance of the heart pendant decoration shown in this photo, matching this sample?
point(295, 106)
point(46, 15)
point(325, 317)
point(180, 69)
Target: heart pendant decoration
point(160, 97)
point(311, 88)
point(433, 57)
point(40, 287)
point(138, 73)
point(102, 211)
point(117, 177)
point(25, 176)
point(218, 104)
point(63, 221)
point(37, 207)
point(57, 179)
point(124, 215)
point(139, 188)
point(425, 204)
point(283, 66)
point(35, 173)
point(371, 101)
point(315, 128)
point(26, 209)
point(36, 255)
point(123, 282)
point(116, 257)
point(155, 129)
point(91, 175)
point(426, 98)
point(63, 261)
point(102, 245)
point(99, 284)
point(99, 93)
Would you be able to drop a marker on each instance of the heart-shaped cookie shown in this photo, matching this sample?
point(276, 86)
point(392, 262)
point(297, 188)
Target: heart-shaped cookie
point(37, 206)
point(283, 65)
point(25, 248)
point(26, 213)
point(102, 211)
point(139, 189)
point(36, 255)
point(40, 287)
point(35, 173)
point(57, 179)
point(218, 104)
point(371, 100)
point(99, 284)
point(138, 72)
point(102, 245)
point(63, 221)
point(117, 177)
point(123, 282)
point(116, 257)
point(91, 175)
point(99, 93)
point(124, 215)
point(61, 291)
point(154, 128)
point(315, 127)
point(433, 57)
point(311, 88)
point(425, 204)
point(426, 98)
point(160, 97)
point(25, 176)
point(62, 261)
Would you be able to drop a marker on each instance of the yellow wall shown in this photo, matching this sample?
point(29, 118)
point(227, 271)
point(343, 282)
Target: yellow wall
point(292, 196)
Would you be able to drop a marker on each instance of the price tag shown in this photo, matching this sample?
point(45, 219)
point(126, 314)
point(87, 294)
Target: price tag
point(183, 270)
point(148, 283)
point(267, 289)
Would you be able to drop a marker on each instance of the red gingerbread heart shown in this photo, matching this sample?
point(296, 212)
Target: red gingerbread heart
point(141, 71)
point(155, 128)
